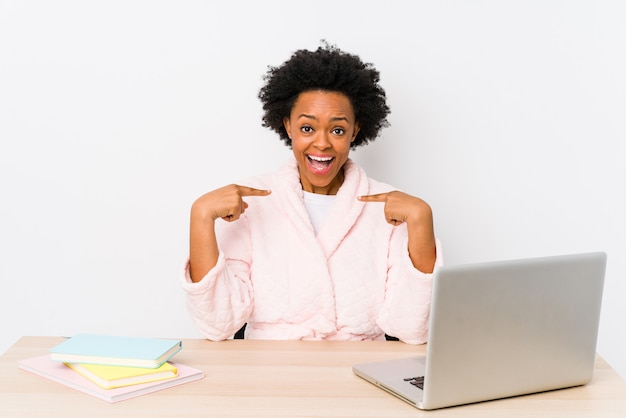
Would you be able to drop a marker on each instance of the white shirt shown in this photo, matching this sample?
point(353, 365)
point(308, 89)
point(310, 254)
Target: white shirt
point(318, 206)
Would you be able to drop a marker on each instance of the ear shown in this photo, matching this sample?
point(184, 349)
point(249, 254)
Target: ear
point(357, 128)
point(287, 125)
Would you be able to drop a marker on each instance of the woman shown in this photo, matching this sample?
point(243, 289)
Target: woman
point(316, 250)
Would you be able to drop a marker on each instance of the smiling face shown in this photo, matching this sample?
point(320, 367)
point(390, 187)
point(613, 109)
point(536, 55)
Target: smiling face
point(322, 127)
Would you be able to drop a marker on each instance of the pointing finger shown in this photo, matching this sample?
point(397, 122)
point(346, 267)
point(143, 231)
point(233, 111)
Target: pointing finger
point(251, 191)
point(380, 197)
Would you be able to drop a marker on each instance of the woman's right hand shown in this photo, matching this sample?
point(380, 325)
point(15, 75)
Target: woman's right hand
point(226, 203)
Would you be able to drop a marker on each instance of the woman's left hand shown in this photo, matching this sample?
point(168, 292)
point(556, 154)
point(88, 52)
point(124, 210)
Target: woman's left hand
point(401, 207)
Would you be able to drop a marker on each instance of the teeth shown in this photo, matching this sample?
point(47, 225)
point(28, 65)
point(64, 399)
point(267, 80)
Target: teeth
point(321, 159)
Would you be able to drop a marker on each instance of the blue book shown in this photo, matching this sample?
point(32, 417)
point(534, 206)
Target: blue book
point(115, 350)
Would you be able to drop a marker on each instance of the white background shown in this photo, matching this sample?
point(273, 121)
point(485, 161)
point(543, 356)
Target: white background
point(509, 118)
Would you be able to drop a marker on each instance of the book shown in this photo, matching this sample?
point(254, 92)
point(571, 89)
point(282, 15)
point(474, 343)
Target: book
point(61, 373)
point(109, 377)
point(115, 350)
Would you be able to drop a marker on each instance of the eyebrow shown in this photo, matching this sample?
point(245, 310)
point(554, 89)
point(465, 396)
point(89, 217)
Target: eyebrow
point(335, 119)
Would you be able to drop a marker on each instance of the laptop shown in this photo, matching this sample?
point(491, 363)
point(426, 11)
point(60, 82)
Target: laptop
point(502, 329)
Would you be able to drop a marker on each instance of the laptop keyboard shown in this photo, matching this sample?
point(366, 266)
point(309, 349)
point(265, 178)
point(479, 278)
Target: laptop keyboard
point(416, 381)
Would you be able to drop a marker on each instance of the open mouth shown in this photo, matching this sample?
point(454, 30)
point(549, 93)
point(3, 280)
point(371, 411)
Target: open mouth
point(320, 165)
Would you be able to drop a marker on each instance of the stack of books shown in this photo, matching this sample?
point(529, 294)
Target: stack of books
point(113, 368)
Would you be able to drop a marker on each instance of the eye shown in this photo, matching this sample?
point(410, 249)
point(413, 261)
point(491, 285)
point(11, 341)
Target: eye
point(339, 131)
point(306, 129)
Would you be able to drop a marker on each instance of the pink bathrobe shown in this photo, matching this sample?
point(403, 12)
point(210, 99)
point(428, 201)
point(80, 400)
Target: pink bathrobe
point(353, 281)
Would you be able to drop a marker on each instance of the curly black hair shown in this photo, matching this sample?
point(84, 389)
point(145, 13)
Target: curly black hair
point(328, 69)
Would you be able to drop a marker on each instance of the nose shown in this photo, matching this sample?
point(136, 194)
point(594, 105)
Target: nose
point(321, 141)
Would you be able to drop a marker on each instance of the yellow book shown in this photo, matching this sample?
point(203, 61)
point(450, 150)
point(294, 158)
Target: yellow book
point(109, 377)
